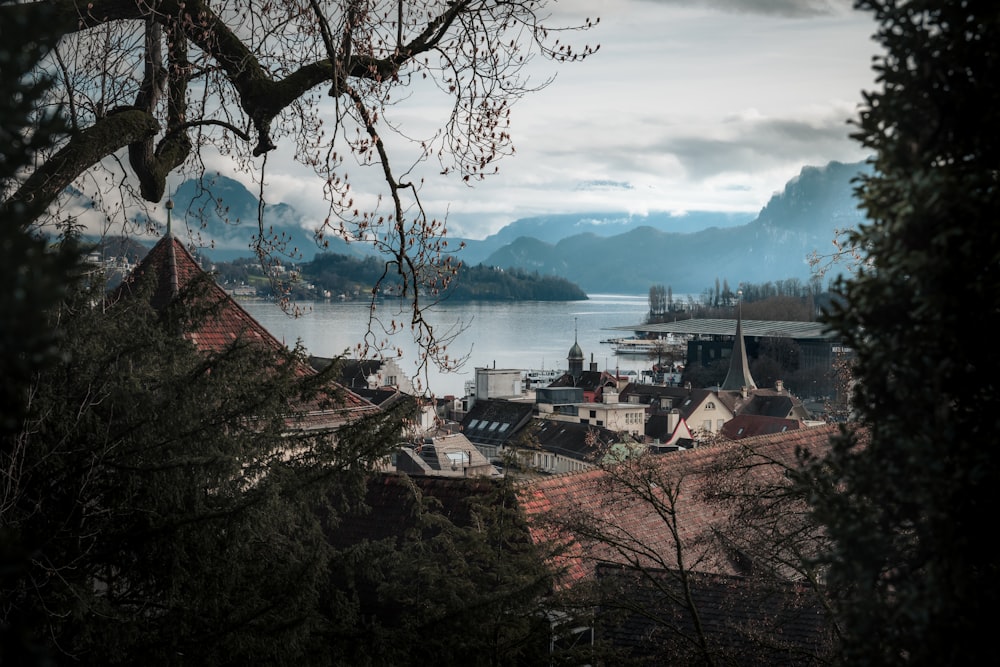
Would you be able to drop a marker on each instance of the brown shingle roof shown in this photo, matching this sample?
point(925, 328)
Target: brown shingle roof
point(745, 621)
point(173, 269)
point(566, 507)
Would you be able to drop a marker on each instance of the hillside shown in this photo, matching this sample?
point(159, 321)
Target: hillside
point(800, 220)
point(596, 251)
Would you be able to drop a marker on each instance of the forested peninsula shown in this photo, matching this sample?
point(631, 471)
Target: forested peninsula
point(341, 276)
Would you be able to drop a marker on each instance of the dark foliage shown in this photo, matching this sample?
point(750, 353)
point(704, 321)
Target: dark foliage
point(912, 555)
point(164, 508)
point(355, 277)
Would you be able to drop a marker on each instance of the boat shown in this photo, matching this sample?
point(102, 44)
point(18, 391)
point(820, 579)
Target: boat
point(542, 377)
point(646, 347)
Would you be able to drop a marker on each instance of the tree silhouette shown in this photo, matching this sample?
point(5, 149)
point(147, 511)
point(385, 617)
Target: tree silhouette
point(155, 89)
point(904, 509)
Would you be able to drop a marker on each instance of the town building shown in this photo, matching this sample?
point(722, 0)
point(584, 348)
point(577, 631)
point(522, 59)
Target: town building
point(449, 455)
point(713, 340)
point(666, 406)
point(174, 273)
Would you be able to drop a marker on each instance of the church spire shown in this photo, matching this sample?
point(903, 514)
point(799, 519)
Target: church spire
point(169, 205)
point(739, 370)
point(575, 357)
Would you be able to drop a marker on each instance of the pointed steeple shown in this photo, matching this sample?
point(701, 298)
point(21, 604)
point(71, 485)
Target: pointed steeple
point(575, 357)
point(739, 370)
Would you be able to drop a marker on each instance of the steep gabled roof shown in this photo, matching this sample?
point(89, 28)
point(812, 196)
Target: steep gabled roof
point(589, 498)
point(684, 400)
point(739, 369)
point(588, 380)
point(173, 271)
point(765, 403)
point(354, 373)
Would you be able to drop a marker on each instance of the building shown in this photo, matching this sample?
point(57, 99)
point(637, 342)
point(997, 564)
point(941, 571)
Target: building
point(176, 274)
point(450, 455)
point(493, 424)
point(609, 412)
point(667, 407)
point(369, 373)
point(712, 340)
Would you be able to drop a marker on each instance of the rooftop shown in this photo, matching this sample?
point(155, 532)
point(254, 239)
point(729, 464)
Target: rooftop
point(710, 327)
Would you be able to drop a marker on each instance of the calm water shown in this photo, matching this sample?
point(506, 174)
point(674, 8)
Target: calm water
point(528, 334)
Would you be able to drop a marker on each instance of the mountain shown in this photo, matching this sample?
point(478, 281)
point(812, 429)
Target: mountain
point(221, 216)
point(800, 220)
point(604, 252)
point(554, 228)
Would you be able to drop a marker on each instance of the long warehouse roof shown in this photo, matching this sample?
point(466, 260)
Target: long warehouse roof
point(703, 327)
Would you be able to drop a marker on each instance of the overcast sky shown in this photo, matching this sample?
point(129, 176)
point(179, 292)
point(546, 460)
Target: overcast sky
point(688, 105)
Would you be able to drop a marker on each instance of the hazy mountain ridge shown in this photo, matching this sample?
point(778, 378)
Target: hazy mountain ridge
point(553, 228)
point(598, 252)
point(796, 222)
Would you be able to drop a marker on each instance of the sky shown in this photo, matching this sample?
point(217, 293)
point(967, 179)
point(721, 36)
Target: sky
point(709, 105)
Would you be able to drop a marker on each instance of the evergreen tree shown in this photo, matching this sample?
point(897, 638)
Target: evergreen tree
point(458, 583)
point(907, 500)
point(168, 511)
point(33, 276)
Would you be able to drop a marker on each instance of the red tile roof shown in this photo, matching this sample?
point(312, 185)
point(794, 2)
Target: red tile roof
point(173, 271)
point(569, 508)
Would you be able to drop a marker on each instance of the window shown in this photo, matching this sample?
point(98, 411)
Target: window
point(593, 414)
point(707, 425)
point(710, 406)
point(457, 459)
point(390, 381)
point(634, 398)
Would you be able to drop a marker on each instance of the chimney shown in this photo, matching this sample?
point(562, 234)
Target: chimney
point(779, 386)
point(743, 391)
point(593, 364)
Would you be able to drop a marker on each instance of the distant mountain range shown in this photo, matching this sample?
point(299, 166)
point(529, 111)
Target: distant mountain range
point(775, 245)
point(600, 252)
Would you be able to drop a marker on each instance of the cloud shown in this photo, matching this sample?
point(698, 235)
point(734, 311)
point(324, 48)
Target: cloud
point(787, 8)
point(687, 106)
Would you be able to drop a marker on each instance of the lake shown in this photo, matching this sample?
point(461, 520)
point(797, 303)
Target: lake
point(523, 334)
